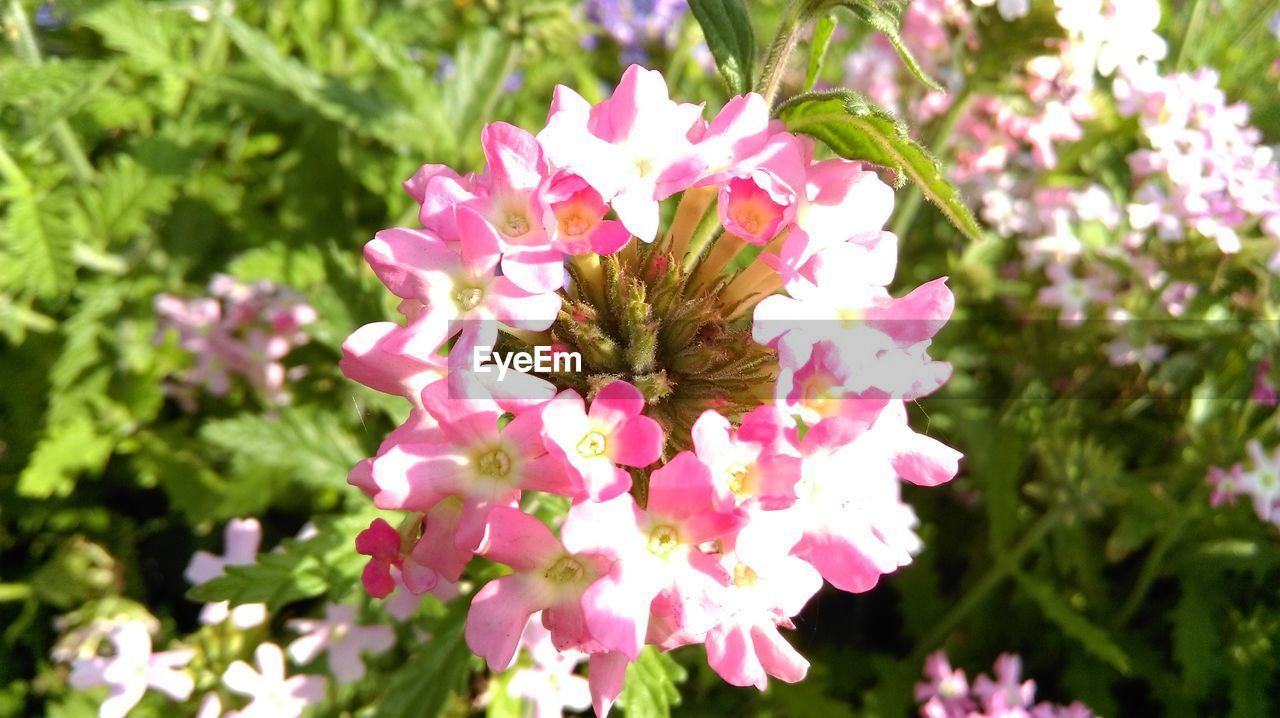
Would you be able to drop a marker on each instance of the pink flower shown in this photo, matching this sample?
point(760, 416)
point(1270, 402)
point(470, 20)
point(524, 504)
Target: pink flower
point(466, 455)
point(342, 638)
point(752, 462)
point(448, 291)
point(947, 692)
point(271, 694)
point(547, 578)
point(592, 444)
point(655, 551)
point(550, 684)
point(1008, 690)
point(855, 526)
point(579, 213)
point(132, 670)
point(634, 148)
point(1264, 392)
point(1070, 294)
point(382, 544)
point(241, 538)
point(768, 587)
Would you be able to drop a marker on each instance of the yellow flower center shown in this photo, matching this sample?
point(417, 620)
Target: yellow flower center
point(495, 464)
point(566, 570)
point(663, 540)
point(592, 445)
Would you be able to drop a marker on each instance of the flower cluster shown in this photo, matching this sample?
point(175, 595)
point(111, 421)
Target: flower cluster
point(1206, 170)
point(117, 652)
point(948, 694)
point(239, 330)
point(724, 448)
point(1261, 483)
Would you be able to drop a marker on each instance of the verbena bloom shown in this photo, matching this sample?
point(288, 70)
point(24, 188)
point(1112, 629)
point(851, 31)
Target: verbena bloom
point(634, 148)
point(241, 539)
point(239, 330)
point(133, 670)
point(341, 639)
point(1260, 483)
point(271, 694)
point(550, 684)
point(592, 444)
point(693, 481)
point(947, 694)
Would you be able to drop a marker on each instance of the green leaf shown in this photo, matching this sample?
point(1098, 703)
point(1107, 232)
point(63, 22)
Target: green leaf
point(1196, 636)
point(35, 241)
point(1094, 639)
point(145, 34)
point(297, 570)
point(650, 689)
point(437, 670)
point(66, 451)
point(818, 49)
point(857, 129)
point(727, 27)
point(125, 199)
point(885, 17)
point(302, 444)
point(363, 113)
point(482, 64)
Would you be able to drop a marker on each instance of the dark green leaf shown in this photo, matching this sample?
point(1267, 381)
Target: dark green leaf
point(857, 129)
point(727, 28)
point(1094, 639)
point(437, 670)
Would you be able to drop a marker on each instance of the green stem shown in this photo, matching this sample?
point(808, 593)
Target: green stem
point(1198, 10)
point(496, 85)
point(27, 49)
point(1151, 568)
point(1002, 569)
point(706, 230)
point(784, 43)
point(939, 142)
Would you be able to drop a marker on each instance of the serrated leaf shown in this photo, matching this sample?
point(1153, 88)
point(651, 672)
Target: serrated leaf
point(302, 444)
point(295, 571)
point(650, 690)
point(147, 35)
point(726, 25)
point(363, 113)
point(1094, 639)
point(437, 670)
point(124, 200)
point(1196, 637)
point(35, 242)
point(482, 61)
point(885, 17)
point(822, 32)
point(857, 129)
point(66, 451)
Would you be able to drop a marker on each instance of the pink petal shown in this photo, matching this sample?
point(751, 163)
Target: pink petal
point(519, 540)
point(534, 269)
point(606, 672)
point(638, 442)
point(777, 656)
point(616, 403)
point(680, 489)
point(409, 261)
point(498, 616)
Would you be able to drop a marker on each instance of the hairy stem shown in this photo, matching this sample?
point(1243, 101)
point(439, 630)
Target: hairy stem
point(784, 43)
point(26, 48)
